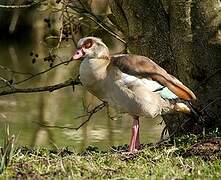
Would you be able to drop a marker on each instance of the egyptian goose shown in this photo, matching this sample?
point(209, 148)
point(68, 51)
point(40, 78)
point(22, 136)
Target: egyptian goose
point(131, 83)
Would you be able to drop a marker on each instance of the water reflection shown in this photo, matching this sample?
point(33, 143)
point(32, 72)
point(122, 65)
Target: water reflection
point(22, 113)
point(25, 112)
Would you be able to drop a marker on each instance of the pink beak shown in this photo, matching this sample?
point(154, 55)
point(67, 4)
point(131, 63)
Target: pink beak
point(78, 54)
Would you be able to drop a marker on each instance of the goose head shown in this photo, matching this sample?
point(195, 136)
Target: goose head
point(91, 47)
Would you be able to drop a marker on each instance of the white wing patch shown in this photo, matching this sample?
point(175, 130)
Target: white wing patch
point(153, 86)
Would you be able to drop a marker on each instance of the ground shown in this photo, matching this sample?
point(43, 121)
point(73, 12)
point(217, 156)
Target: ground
point(186, 158)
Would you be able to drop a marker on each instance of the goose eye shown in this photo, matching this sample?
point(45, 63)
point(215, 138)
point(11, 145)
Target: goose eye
point(88, 43)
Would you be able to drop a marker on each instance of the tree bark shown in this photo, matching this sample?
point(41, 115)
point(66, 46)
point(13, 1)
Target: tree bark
point(206, 27)
point(181, 38)
point(186, 42)
point(146, 29)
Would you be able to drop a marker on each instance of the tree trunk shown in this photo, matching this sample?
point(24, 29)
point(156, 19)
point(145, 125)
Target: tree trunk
point(145, 27)
point(181, 38)
point(187, 43)
point(206, 27)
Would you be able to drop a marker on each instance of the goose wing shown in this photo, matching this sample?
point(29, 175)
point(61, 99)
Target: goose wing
point(143, 67)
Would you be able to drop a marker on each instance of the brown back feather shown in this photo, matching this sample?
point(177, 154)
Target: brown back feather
point(146, 68)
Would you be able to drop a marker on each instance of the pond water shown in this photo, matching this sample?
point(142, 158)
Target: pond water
point(25, 113)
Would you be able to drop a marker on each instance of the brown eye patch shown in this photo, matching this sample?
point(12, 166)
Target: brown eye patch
point(88, 43)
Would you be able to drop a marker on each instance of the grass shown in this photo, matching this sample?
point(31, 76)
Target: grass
point(163, 162)
point(7, 150)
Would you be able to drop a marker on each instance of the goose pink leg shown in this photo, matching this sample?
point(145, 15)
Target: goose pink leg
point(135, 140)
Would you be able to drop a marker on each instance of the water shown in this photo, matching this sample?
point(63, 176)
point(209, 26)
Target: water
point(22, 113)
point(25, 113)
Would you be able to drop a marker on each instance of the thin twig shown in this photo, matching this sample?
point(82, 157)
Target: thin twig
point(51, 88)
point(209, 104)
point(208, 78)
point(203, 109)
point(42, 72)
point(163, 132)
point(15, 72)
point(81, 116)
point(171, 135)
point(6, 82)
point(105, 28)
point(91, 113)
point(71, 25)
point(95, 19)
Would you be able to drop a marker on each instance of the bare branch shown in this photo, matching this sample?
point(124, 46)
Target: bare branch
point(91, 113)
point(209, 104)
point(172, 134)
point(217, 72)
point(186, 120)
point(15, 72)
point(6, 82)
point(95, 19)
point(40, 73)
point(51, 88)
point(105, 28)
point(47, 70)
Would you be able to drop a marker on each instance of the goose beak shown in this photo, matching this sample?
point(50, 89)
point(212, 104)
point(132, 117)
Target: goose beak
point(78, 54)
